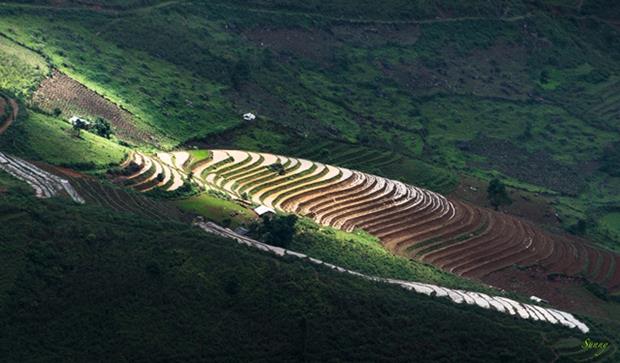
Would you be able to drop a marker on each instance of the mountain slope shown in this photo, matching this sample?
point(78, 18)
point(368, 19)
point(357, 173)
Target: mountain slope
point(74, 287)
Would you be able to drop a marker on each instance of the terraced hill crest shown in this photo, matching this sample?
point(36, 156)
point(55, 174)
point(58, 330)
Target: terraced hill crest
point(410, 221)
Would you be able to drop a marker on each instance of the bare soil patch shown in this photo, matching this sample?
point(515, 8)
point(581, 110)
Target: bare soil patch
point(320, 45)
point(488, 72)
point(566, 293)
point(311, 44)
point(377, 34)
point(60, 170)
point(74, 99)
point(526, 205)
point(538, 168)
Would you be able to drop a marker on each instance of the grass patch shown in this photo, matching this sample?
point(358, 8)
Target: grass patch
point(42, 137)
point(364, 253)
point(221, 211)
point(21, 69)
point(200, 154)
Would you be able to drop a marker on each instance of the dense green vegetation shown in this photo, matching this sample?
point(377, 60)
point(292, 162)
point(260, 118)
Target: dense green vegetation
point(83, 283)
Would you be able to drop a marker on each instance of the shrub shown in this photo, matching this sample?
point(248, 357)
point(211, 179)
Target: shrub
point(496, 193)
point(102, 128)
point(277, 168)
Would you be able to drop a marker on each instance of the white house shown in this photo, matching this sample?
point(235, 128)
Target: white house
point(538, 300)
point(262, 210)
point(249, 116)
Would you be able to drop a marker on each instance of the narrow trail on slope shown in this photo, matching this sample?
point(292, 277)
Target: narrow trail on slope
point(373, 21)
point(11, 116)
point(93, 8)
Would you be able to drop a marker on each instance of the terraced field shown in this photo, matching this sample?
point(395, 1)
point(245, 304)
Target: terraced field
point(347, 155)
point(112, 197)
point(45, 184)
point(410, 221)
point(375, 161)
point(163, 170)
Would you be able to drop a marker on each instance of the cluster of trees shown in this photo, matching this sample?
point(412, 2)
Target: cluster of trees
point(277, 230)
point(101, 127)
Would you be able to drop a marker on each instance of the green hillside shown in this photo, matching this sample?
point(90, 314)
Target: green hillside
point(82, 284)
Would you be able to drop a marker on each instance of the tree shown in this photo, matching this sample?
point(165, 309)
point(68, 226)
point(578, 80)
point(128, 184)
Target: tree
point(544, 77)
point(102, 128)
point(277, 168)
point(580, 228)
point(78, 126)
point(496, 193)
point(276, 230)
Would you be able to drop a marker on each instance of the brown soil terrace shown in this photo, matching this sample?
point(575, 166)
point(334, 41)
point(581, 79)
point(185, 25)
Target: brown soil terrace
point(451, 234)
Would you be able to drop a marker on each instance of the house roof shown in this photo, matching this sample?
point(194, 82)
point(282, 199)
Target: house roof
point(537, 299)
point(260, 210)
